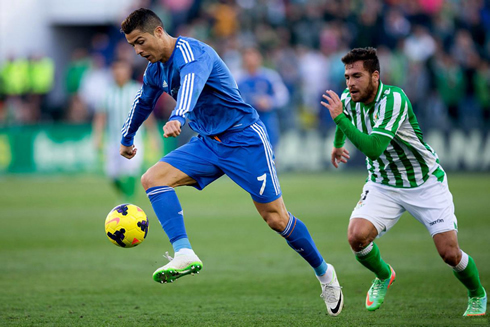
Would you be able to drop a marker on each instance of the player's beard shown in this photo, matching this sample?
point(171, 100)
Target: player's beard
point(366, 95)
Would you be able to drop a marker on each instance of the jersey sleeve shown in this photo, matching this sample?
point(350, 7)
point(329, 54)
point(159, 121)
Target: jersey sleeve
point(143, 105)
point(372, 145)
point(339, 138)
point(195, 67)
point(393, 110)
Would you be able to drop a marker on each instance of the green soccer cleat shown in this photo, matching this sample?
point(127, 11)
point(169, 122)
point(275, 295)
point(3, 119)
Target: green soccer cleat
point(477, 306)
point(181, 265)
point(377, 292)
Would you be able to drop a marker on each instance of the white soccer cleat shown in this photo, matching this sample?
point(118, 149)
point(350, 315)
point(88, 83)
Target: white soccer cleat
point(332, 295)
point(181, 265)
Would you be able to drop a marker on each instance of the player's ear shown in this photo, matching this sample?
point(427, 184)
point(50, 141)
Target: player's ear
point(375, 76)
point(158, 32)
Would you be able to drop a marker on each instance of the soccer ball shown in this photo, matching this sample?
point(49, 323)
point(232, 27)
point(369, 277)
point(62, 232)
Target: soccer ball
point(126, 225)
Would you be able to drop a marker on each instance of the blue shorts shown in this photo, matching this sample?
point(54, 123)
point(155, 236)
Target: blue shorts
point(245, 156)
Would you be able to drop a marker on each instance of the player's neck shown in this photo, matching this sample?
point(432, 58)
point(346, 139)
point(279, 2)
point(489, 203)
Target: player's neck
point(169, 48)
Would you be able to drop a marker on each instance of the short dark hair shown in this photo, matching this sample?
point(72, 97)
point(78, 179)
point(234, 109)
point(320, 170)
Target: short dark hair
point(141, 19)
point(368, 56)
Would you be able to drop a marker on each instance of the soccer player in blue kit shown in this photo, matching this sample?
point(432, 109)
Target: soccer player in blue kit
point(231, 140)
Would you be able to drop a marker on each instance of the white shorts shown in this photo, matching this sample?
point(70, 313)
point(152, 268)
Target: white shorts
point(431, 204)
point(118, 166)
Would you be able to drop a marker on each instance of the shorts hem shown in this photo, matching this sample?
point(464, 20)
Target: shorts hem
point(262, 200)
point(197, 185)
point(443, 231)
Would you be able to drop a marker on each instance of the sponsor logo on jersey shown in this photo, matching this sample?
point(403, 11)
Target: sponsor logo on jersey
point(432, 223)
point(165, 84)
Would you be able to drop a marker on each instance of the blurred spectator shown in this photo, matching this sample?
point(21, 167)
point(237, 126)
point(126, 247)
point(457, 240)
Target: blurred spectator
point(419, 46)
point(315, 79)
point(15, 86)
point(224, 15)
point(75, 70)
point(482, 90)
point(179, 11)
point(15, 76)
point(41, 82)
point(94, 83)
point(264, 89)
point(77, 110)
point(111, 113)
point(450, 83)
point(303, 41)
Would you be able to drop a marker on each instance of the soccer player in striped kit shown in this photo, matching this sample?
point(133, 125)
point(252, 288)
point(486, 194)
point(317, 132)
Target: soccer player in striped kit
point(231, 140)
point(108, 119)
point(404, 174)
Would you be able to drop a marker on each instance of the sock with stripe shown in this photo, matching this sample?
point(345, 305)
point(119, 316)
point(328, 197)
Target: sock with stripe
point(299, 239)
point(370, 258)
point(169, 212)
point(467, 273)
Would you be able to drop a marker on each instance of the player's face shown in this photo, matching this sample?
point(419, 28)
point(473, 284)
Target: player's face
point(252, 60)
point(146, 45)
point(121, 72)
point(362, 85)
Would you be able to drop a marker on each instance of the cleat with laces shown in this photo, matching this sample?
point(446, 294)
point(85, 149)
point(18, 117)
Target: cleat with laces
point(181, 265)
point(332, 295)
point(477, 306)
point(377, 292)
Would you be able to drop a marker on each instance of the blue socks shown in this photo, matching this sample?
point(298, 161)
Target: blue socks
point(299, 239)
point(169, 212)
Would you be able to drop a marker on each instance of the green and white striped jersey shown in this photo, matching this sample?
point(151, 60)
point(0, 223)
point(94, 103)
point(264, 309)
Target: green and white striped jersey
point(116, 105)
point(408, 161)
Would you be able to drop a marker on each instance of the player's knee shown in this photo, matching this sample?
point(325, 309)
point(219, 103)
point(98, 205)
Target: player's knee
point(357, 243)
point(275, 221)
point(148, 179)
point(358, 240)
point(360, 233)
point(451, 256)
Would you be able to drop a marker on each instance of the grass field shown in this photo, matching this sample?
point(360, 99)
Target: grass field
point(57, 267)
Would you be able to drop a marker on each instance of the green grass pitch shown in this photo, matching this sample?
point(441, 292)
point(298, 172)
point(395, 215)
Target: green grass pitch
point(58, 268)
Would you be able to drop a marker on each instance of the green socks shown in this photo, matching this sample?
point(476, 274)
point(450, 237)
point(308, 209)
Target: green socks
point(467, 273)
point(126, 187)
point(370, 258)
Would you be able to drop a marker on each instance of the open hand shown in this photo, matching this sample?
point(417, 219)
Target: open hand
point(333, 104)
point(339, 155)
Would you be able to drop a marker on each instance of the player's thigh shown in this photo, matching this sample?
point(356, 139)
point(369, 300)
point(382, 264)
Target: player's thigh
point(378, 205)
point(432, 205)
point(195, 160)
point(252, 166)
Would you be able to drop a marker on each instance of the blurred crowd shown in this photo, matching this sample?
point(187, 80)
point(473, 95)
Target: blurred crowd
point(438, 51)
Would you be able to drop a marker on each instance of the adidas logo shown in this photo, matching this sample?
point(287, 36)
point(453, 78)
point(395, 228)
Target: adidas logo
point(165, 84)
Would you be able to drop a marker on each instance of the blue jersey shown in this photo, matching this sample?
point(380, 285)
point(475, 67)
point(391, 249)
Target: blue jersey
point(205, 91)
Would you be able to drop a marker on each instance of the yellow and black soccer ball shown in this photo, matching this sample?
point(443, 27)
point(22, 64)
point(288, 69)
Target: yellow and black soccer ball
point(126, 225)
